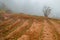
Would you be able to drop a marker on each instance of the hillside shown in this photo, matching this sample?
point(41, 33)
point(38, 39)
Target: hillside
point(28, 27)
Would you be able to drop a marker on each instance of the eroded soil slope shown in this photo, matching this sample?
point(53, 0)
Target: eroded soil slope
point(26, 27)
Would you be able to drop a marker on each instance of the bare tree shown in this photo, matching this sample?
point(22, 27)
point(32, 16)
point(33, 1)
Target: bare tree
point(4, 8)
point(46, 11)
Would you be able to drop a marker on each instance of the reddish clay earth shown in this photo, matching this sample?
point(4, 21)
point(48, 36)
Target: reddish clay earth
point(26, 27)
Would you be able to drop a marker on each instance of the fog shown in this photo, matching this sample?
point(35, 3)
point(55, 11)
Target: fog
point(33, 7)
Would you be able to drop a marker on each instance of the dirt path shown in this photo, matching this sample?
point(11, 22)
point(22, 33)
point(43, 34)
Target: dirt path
point(33, 33)
point(5, 22)
point(48, 32)
point(56, 25)
point(17, 31)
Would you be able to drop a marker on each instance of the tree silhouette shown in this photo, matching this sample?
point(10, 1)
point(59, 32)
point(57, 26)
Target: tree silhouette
point(46, 11)
point(3, 10)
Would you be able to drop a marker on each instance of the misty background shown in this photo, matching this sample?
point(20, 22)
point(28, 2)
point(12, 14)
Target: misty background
point(33, 7)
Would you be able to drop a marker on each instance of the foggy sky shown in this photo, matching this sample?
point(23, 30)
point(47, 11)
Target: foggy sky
point(33, 7)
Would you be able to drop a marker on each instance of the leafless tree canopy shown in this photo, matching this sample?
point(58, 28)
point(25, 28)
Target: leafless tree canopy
point(46, 11)
point(4, 8)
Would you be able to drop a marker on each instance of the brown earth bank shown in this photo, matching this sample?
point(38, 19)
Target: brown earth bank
point(28, 27)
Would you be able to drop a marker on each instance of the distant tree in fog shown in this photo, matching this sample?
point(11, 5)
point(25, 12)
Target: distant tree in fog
point(46, 11)
point(4, 7)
